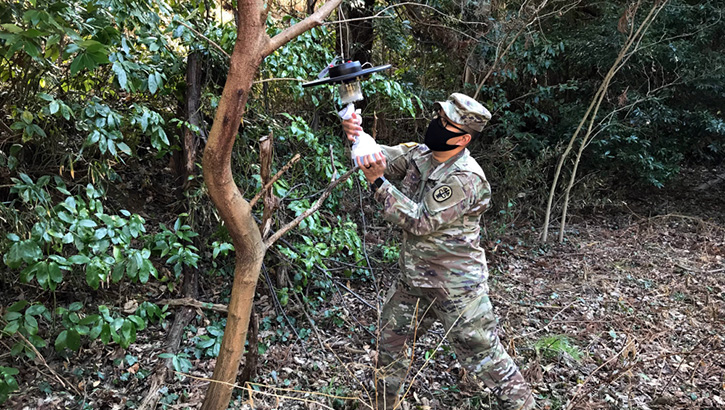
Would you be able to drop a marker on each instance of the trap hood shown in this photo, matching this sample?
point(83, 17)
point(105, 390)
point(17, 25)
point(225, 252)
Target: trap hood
point(345, 72)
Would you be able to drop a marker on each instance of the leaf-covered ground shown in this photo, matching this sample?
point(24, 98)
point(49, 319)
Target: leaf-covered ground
point(628, 313)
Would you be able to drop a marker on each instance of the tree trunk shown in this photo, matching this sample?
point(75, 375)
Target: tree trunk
point(250, 360)
point(360, 32)
point(185, 158)
point(233, 209)
point(251, 47)
point(193, 112)
point(184, 164)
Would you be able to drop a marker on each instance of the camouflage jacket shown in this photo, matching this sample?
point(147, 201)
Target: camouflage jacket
point(439, 207)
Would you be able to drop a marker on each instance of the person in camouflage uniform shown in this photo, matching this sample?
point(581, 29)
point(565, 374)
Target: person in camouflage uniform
point(443, 267)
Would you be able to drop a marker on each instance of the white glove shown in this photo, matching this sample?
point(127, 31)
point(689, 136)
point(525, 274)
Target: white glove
point(364, 144)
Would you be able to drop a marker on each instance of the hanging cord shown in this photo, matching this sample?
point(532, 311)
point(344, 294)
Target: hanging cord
point(357, 180)
point(342, 18)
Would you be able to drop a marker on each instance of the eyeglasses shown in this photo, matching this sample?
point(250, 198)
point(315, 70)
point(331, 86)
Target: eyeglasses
point(445, 123)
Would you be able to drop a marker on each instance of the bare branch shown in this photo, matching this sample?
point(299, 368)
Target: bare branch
point(265, 160)
point(633, 40)
point(65, 383)
point(314, 20)
point(407, 3)
point(194, 303)
point(272, 239)
point(205, 38)
point(274, 179)
point(266, 80)
point(534, 17)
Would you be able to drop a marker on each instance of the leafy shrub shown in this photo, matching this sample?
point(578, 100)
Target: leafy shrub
point(8, 384)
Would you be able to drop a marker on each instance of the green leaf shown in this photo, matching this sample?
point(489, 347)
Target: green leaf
point(55, 273)
point(73, 340)
point(79, 259)
point(121, 75)
point(36, 310)
point(12, 28)
point(12, 327)
point(87, 223)
point(93, 276)
point(24, 251)
point(31, 324)
point(204, 344)
point(117, 274)
point(80, 62)
point(18, 306)
point(75, 306)
point(105, 334)
point(68, 339)
point(61, 341)
point(54, 107)
point(17, 349)
point(153, 85)
point(42, 275)
point(12, 316)
point(88, 320)
point(27, 117)
point(67, 238)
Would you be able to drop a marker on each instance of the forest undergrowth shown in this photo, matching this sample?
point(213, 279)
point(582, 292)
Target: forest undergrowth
point(627, 314)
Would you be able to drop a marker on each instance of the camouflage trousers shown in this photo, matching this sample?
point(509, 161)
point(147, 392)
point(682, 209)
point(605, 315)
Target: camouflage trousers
point(473, 337)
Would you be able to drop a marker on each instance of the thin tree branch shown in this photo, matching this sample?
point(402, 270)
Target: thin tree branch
point(407, 3)
point(534, 17)
point(634, 39)
point(194, 303)
point(314, 20)
point(205, 38)
point(266, 80)
point(272, 239)
point(307, 315)
point(596, 100)
point(615, 356)
point(65, 383)
point(274, 179)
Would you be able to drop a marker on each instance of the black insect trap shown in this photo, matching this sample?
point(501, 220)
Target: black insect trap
point(348, 75)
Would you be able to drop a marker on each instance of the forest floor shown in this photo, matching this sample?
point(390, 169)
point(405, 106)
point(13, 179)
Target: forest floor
point(627, 313)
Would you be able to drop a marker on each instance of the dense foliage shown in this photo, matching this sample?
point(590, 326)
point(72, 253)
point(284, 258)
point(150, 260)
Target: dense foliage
point(91, 114)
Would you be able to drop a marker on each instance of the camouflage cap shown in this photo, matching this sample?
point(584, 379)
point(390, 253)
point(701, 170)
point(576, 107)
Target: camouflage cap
point(465, 111)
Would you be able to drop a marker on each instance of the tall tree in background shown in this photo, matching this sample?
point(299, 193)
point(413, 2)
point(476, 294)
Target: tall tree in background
point(251, 47)
point(358, 34)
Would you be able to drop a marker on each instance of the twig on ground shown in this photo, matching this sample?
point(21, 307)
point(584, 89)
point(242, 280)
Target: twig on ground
point(546, 327)
point(358, 297)
point(307, 315)
point(354, 377)
point(677, 371)
point(194, 303)
point(251, 390)
point(692, 218)
point(65, 383)
point(438, 346)
point(679, 265)
point(581, 386)
point(278, 305)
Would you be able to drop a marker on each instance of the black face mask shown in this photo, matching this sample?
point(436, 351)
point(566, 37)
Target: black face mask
point(437, 136)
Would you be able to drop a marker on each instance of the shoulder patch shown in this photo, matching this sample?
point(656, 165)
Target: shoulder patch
point(442, 193)
point(444, 196)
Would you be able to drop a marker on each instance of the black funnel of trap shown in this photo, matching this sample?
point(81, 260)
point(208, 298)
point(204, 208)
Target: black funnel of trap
point(345, 73)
